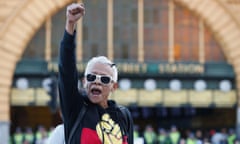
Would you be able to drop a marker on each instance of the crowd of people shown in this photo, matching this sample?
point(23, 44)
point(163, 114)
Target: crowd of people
point(149, 135)
point(29, 136)
point(184, 136)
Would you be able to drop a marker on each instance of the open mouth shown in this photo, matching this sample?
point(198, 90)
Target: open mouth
point(96, 91)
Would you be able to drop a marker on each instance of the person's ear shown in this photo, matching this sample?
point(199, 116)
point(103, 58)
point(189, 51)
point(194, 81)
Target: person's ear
point(115, 86)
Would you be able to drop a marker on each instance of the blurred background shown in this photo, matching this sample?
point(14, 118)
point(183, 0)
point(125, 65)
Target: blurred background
point(178, 61)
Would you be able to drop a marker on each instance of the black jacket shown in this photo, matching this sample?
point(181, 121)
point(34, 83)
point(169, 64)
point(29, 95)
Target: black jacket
point(98, 124)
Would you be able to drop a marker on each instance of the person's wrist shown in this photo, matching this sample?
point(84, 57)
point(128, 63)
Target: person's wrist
point(70, 26)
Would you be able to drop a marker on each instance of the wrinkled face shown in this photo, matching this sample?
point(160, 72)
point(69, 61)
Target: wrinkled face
point(99, 83)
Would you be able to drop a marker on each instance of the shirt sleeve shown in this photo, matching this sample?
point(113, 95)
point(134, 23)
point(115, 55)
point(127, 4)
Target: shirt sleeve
point(71, 100)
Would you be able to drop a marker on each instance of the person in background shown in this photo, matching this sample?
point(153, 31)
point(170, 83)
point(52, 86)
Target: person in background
point(199, 137)
point(104, 121)
point(219, 137)
point(231, 137)
point(18, 136)
point(136, 132)
point(57, 135)
point(41, 135)
point(174, 135)
point(191, 139)
point(149, 135)
point(163, 137)
point(29, 135)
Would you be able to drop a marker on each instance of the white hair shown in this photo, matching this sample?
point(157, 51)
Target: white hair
point(103, 60)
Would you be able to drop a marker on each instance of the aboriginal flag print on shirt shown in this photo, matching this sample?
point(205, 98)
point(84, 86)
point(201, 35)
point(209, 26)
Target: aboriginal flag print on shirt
point(107, 132)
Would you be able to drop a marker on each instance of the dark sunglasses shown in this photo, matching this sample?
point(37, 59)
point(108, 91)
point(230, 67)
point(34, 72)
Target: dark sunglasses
point(103, 78)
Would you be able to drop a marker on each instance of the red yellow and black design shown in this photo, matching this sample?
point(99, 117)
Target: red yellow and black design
point(109, 131)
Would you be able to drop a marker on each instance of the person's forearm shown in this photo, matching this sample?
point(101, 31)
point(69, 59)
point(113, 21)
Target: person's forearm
point(70, 28)
point(67, 73)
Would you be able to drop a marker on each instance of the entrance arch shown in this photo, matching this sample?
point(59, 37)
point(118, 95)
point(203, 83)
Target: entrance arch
point(22, 21)
point(225, 26)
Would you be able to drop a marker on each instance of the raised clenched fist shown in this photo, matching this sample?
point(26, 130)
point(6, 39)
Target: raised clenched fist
point(74, 12)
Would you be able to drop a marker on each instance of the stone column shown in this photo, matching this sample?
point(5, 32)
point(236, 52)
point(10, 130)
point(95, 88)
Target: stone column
point(4, 132)
point(238, 122)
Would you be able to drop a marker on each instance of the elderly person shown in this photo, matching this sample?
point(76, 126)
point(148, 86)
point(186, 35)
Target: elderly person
point(89, 117)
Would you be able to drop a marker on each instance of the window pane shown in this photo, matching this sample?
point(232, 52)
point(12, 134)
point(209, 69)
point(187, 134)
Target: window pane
point(125, 30)
point(95, 29)
point(186, 35)
point(58, 25)
point(213, 51)
point(156, 30)
point(36, 47)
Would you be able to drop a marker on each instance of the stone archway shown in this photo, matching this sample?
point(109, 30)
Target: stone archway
point(225, 26)
point(19, 21)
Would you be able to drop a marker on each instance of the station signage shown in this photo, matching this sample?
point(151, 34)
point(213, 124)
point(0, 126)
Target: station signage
point(138, 68)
